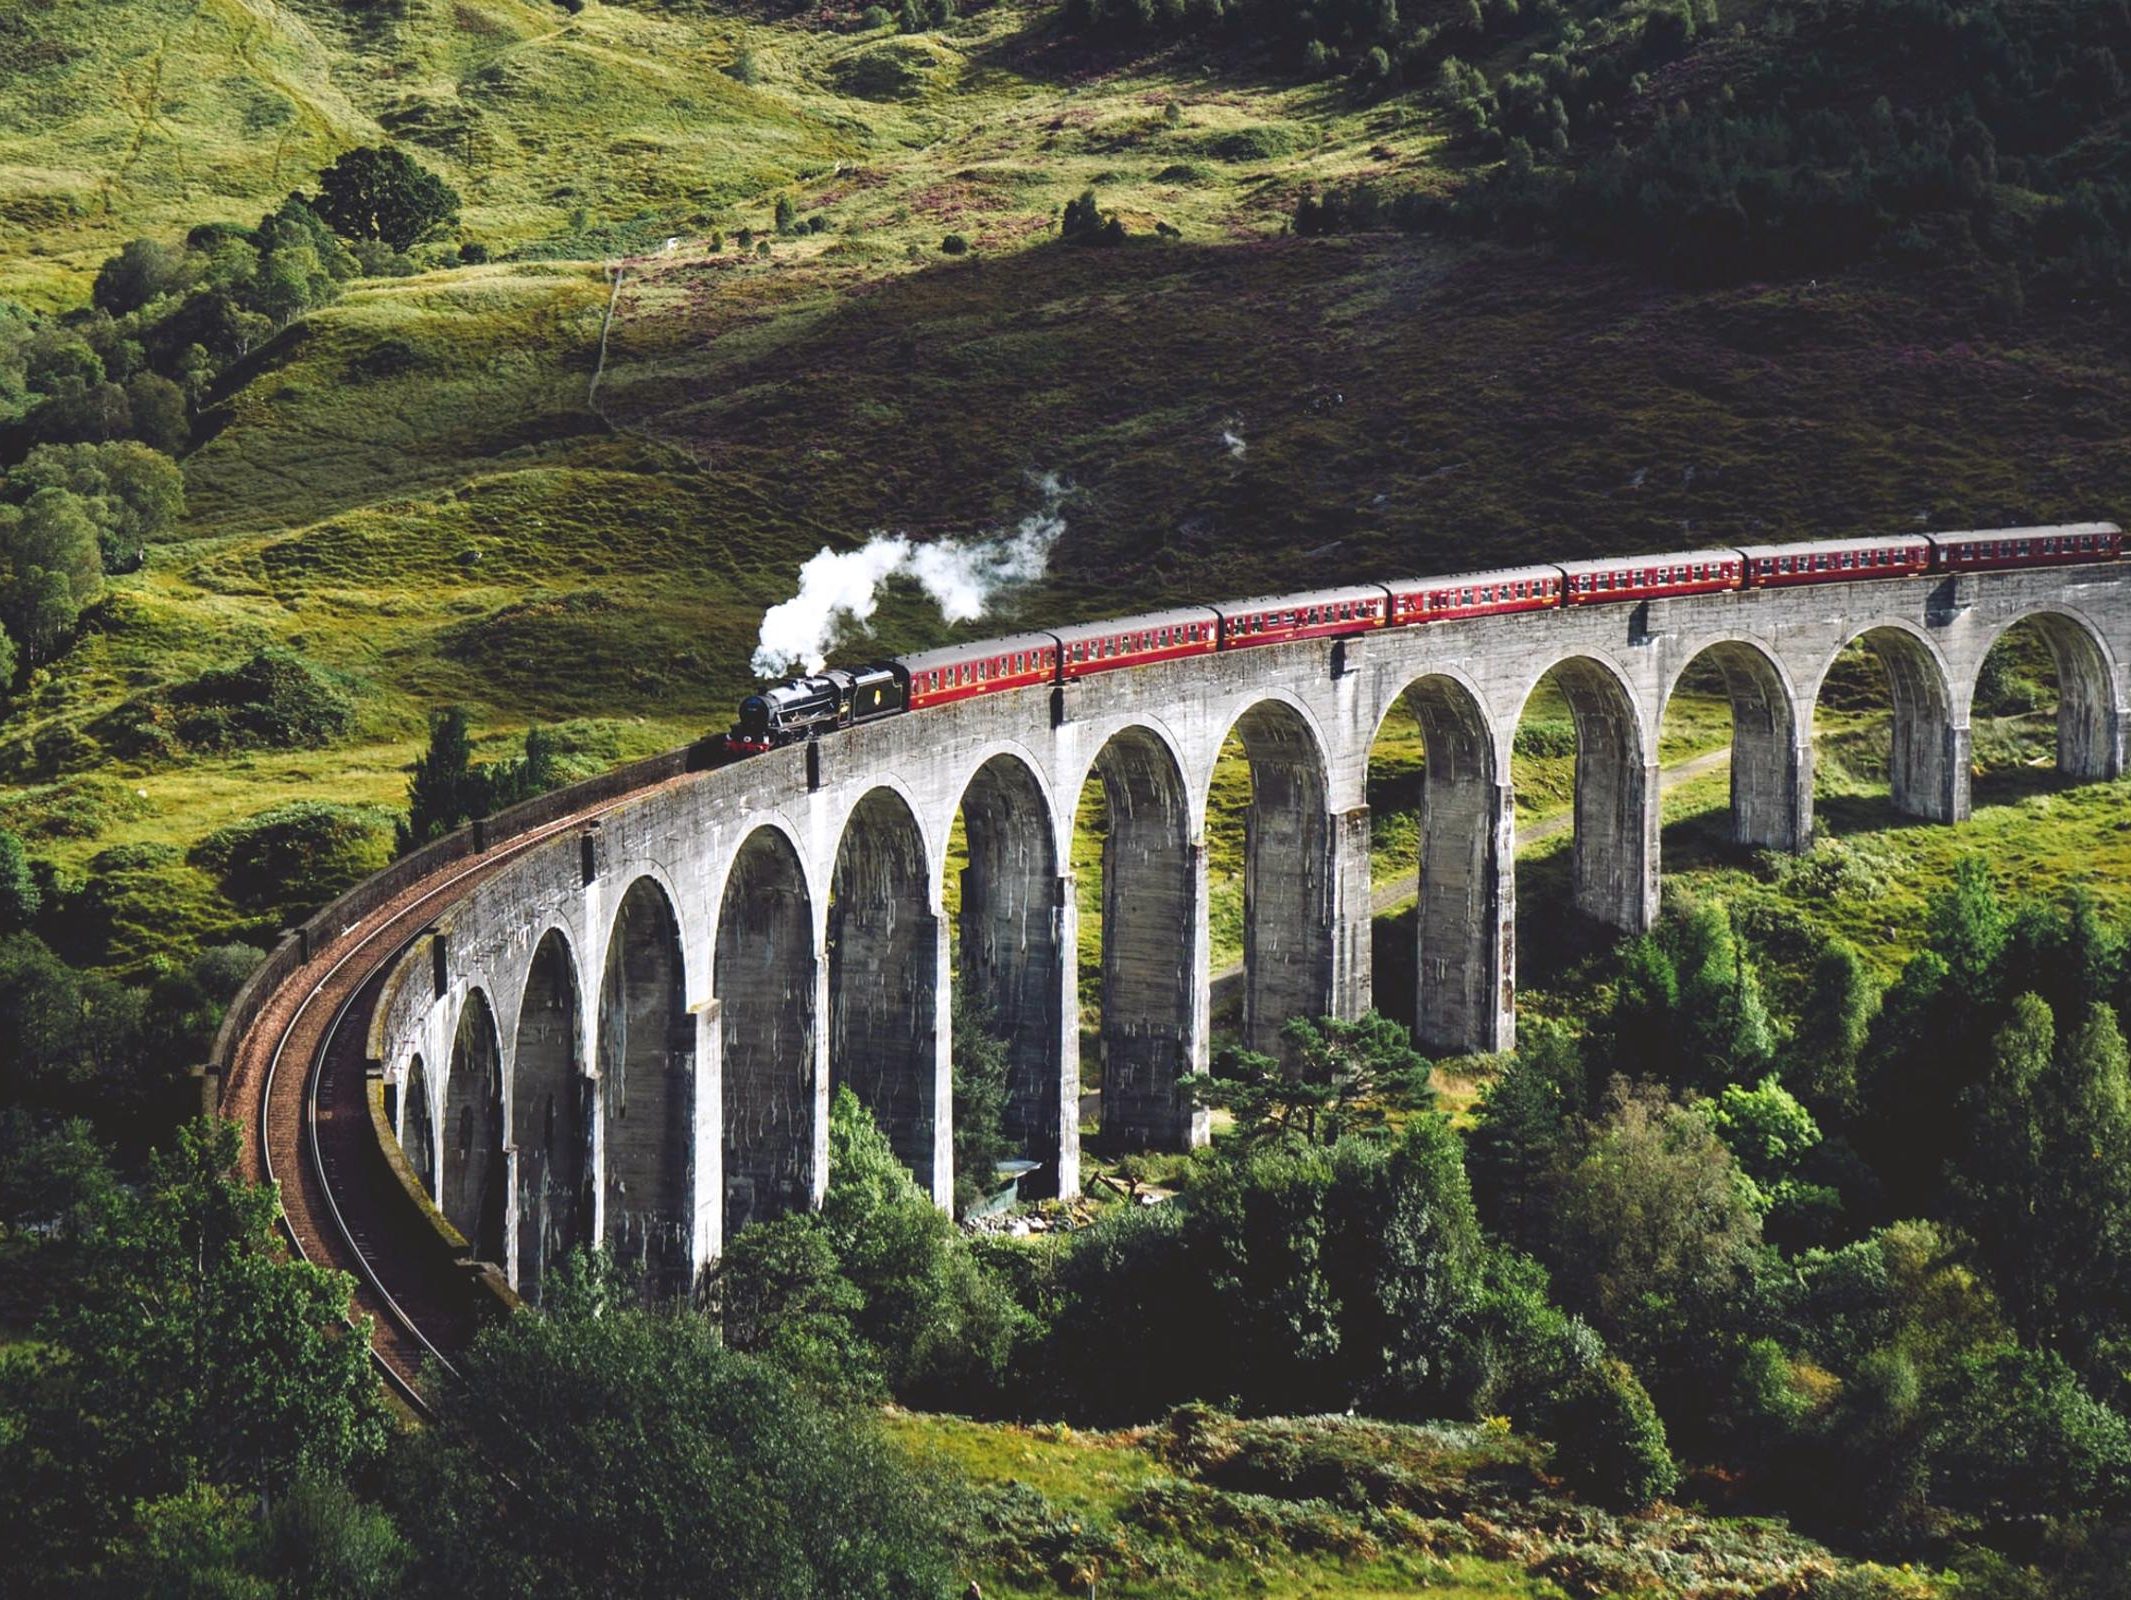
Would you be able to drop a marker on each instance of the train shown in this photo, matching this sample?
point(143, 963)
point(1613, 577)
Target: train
point(824, 702)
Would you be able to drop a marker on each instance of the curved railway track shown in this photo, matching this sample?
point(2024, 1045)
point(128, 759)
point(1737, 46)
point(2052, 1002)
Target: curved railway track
point(297, 1086)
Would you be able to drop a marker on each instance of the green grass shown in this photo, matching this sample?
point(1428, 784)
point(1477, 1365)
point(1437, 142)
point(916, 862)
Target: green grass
point(417, 489)
point(155, 115)
point(1444, 1510)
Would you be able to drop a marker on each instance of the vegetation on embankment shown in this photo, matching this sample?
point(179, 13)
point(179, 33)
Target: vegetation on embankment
point(442, 473)
point(413, 487)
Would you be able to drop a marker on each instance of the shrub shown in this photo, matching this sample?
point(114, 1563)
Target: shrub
point(1265, 142)
point(276, 698)
point(296, 856)
point(1083, 221)
point(1609, 1441)
point(644, 1457)
point(954, 245)
point(896, 69)
point(2020, 1436)
point(273, 700)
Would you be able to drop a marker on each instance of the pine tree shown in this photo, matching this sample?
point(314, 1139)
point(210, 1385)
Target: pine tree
point(980, 1093)
point(1645, 1019)
point(1840, 1001)
point(444, 791)
point(1723, 1021)
point(1526, 1134)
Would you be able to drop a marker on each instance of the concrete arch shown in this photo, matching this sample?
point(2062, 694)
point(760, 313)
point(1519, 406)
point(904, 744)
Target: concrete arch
point(1014, 964)
point(1465, 917)
point(1771, 758)
point(647, 1091)
point(475, 1181)
point(886, 962)
point(2090, 717)
point(1153, 944)
point(767, 980)
point(1288, 887)
point(551, 1115)
point(1143, 732)
point(1927, 766)
point(418, 1126)
point(881, 789)
point(1613, 860)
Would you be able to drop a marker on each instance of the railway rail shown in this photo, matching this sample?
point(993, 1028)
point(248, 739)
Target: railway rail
point(298, 1087)
point(292, 1052)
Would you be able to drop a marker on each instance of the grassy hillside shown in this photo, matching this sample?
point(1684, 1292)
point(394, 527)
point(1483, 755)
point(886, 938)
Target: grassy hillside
point(128, 117)
point(1207, 1506)
point(473, 484)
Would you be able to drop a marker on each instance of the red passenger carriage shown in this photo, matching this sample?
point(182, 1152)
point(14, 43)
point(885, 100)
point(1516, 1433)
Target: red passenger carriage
point(1994, 549)
point(1474, 594)
point(1093, 647)
point(1321, 614)
point(1590, 583)
point(1782, 566)
point(961, 672)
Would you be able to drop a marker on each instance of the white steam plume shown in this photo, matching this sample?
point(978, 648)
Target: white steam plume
point(840, 590)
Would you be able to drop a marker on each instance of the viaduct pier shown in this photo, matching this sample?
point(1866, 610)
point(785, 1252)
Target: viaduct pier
point(616, 1013)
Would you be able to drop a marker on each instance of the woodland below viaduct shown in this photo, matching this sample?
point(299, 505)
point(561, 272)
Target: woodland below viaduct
point(631, 1033)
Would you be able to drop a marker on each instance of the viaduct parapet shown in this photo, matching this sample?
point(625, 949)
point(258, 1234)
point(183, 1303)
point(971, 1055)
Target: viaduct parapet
point(630, 1032)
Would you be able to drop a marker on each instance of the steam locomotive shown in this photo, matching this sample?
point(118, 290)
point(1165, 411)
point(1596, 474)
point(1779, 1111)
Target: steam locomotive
point(804, 708)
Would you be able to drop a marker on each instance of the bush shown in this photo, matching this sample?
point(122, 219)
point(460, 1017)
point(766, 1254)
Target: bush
point(276, 699)
point(2020, 1436)
point(272, 700)
point(1083, 221)
point(1608, 1439)
point(1266, 142)
point(296, 856)
point(647, 1458)
point(954, 245)
point(1291, 1279)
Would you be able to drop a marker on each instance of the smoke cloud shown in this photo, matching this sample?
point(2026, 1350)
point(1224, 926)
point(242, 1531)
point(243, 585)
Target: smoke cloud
point(839, 590)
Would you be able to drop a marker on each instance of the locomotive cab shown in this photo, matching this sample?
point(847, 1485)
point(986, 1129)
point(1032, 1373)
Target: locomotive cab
point(803, 708)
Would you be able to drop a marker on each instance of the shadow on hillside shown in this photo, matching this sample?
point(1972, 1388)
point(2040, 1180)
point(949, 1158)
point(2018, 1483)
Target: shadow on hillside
point(1398, 406)
point(1048, 51)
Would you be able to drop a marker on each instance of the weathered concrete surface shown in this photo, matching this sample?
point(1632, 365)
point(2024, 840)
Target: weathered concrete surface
point(743, 938)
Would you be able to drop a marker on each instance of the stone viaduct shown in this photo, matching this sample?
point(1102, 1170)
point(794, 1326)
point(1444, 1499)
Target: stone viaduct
point(632, 1034)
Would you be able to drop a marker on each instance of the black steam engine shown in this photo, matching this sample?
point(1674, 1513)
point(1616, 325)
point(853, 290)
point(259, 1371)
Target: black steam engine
point(803, 707)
